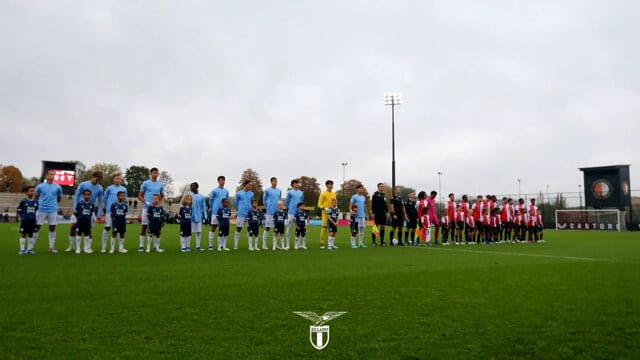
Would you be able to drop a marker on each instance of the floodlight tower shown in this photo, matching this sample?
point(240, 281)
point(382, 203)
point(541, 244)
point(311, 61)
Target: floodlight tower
point(344, 166)
point(393, 99)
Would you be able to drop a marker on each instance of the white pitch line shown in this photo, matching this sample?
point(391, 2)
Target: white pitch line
point(537, 255)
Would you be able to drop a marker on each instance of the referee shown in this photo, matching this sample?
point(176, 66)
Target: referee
point(379, 207)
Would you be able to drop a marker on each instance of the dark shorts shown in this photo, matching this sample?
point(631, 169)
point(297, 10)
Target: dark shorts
point(253, 229)
point(397, 223)
point(278, 228)
point(354, 228)
point(412, 224)
point(459, 225)
point(380, 219)
point(332, 228)
point(155, 228)
point(445, 230)
point(478, 226)
point(185, 228)
point(28, 226)
point(223, 230)
point(83, 226)
point(302, 232)
point(119, 227)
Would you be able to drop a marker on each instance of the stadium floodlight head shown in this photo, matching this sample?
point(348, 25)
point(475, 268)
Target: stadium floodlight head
point(392, 98)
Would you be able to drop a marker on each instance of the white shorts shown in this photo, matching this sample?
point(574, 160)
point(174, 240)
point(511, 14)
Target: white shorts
point(196, 227)
point(50, 218)
point(240, 221)
point(107, 221)
point(144, 219)
point(268, 221)
point(214, 220)
point(361, 222)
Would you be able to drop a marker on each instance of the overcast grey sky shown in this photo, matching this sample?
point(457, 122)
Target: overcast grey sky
point(493, 90)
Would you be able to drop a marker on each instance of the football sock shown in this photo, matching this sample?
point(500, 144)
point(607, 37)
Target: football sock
point(113, 243)
point(156, 240)
point(381, 236)
point(141, 240)
point(265, 237)
point(105, 236)
point(323, 232)
point(30, 242)
point(35, 237)
point(72, 241)
point(361, 236)
point(211, 234)
point(236, 239)
point(391, 233)
point(52, 239)
point(22, 242)
point(121, 243)
point(304, 242)
point(353, 241)
point(198, 236)
point(78, 242)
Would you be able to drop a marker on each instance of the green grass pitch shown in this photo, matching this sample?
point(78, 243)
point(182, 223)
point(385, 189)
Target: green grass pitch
point(576, 296)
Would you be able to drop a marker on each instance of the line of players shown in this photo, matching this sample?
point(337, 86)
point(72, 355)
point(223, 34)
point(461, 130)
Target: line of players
point(482, 222)
point(486, 221)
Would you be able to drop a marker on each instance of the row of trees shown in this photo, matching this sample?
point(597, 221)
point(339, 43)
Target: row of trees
point(12, 180)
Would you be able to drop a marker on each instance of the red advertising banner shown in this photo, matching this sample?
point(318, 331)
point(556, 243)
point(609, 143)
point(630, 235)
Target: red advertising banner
point(64, 177)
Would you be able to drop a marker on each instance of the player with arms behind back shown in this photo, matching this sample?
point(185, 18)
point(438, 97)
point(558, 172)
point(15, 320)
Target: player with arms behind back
point(357, 208)
point(270, 198)
point(215, 203)
point(27, 210)
point(48, 195)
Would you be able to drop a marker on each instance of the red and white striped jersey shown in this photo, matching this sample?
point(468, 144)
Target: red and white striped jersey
point(460, 216)
point(477, 210)
point(444, 220)
point(424, 221)
point(532, 209)
point(465, 207)
point(470, 222)
point(451, 209)
point(495, 221)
